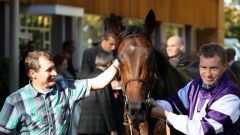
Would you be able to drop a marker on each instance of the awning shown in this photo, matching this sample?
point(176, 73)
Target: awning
point(53, 9)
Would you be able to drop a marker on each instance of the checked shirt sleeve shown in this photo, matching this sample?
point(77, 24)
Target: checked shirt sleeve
point(77, 89)
point(9, 117)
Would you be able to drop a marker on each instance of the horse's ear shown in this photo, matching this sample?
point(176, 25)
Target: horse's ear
point(150, 21)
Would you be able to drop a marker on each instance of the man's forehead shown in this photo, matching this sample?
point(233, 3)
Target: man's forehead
point(173, 42)
point(214, 58)
point(42, 59)
point(112, 42)
point(45, 62)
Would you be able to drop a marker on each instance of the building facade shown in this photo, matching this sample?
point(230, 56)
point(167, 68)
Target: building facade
point(50, 22)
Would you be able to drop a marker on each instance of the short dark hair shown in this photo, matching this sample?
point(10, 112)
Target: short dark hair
point(109, 33)
point(67, 44)
point(212, 49)
point(32, 59)
point(103, 59)
point(31, 45)
point(231, 53)
point(58, 59)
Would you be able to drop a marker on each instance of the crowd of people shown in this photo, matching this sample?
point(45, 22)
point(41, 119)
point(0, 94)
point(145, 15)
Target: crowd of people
point(53, 100)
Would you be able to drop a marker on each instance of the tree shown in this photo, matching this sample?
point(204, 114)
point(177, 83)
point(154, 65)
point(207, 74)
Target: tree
point(232, 22)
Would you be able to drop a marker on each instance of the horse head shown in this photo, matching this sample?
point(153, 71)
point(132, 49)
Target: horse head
point(137, 67)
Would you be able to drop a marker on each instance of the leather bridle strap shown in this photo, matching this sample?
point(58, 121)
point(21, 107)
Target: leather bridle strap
point(134, 80)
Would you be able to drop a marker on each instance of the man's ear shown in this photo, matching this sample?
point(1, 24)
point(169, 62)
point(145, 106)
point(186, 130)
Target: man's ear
point(103, 40)
point(182, 47)
point(32, 73)
point(225, 67)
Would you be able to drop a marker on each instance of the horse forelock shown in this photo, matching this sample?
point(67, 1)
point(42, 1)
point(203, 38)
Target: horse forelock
point(132, 31)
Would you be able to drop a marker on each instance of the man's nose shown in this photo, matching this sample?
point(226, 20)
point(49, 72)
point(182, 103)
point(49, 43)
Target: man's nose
point(54, 72)
point(208, 72)
point(113, 47)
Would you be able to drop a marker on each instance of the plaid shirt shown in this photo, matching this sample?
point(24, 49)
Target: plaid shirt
point(29, 112)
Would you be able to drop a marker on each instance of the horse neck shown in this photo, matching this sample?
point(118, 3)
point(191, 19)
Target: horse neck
point(159, 86)
point(134, 131)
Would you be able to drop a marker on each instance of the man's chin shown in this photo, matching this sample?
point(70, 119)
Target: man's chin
point(51, 84)
point(209, 83)
point(172, 56)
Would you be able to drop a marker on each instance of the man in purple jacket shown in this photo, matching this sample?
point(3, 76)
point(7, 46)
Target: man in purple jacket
point(206, 105)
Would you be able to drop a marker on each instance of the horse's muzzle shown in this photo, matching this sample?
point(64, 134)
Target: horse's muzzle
point(137, 111)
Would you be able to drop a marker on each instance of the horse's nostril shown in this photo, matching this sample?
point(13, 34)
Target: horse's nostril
point(143, 107)
point(134, 108)
point(132, 112)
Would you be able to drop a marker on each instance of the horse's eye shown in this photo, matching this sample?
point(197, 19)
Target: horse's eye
point(119, 57)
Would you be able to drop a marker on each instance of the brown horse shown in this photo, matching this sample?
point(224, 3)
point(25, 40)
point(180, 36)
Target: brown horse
point(145, 73)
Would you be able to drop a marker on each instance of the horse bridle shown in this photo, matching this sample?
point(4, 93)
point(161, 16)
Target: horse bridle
point(124, 84)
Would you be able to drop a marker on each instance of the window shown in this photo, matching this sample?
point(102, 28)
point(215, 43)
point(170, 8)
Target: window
point(37, 28)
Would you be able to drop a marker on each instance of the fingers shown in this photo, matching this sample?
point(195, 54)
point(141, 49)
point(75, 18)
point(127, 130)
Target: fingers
point(152, 102)
point(116, 64)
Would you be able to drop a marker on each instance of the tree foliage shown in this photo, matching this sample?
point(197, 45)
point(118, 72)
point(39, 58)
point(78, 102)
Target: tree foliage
point(232, 22)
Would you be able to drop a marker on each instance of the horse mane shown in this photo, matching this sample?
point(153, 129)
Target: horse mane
point(172, 79)
point(133, 30)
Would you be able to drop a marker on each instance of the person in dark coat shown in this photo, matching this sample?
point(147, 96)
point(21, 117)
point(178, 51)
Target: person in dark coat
point(97, 115)
point(107, 44)
point(232, 63)
point(68, 50)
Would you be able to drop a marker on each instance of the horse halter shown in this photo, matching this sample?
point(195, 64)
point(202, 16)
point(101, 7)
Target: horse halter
point(124, 84)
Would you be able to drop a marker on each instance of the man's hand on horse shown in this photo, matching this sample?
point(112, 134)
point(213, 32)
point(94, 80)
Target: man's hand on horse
point(157, 111)
point(116, 64)
point(151, 102)
point(114, 132)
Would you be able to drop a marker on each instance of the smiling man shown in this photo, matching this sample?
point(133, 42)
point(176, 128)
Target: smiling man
point(209, 104)
point(44, 106)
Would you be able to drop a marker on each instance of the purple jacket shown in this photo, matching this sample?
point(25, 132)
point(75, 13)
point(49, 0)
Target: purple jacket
point(198, 110)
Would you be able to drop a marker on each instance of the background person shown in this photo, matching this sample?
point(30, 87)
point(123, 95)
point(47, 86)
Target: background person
point(175, 52)
point(23, 77)
point(97, 116)
point(61, 64)
point(107, 44)
point(44, 106)
point(232, 63)
point(68, 50)
point(206, 105)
